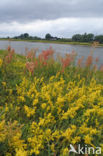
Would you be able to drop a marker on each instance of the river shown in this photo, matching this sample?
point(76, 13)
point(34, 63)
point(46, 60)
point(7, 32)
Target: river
point(20, 47)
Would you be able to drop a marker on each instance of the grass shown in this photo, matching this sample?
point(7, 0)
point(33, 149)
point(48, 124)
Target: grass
point(47, 104)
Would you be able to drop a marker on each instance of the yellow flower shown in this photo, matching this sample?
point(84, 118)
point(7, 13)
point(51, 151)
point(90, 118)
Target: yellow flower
point(43, 105)
point(1, 62)
point(29, 111)
point(21, 99)
point(2, 130)
point(88, 139)
point(76, 139)
point(51, 78)
point(48, 132)
point(6, 107)
point(4, 84)
point(70, 113)
point(35, 102)
point(41, 122)
point(60, 100)
point(21, 152)
point(56, 134)
point(93, 131)
point(65, 152)
point(68, 133)
point(10, 91)
point(52, 147)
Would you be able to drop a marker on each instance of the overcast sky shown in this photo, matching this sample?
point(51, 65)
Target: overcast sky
point(61, 18)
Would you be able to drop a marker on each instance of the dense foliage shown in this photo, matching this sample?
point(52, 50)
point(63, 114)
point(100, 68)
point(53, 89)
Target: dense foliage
point(83, 38)
point(46, 105)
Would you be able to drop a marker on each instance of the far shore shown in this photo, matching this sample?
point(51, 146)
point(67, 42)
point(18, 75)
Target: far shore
point(54, 42)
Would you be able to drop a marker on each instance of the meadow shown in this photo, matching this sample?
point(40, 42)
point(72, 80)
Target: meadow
point(46, 104)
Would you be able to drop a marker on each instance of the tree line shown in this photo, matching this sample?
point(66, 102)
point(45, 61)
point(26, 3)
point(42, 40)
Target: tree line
point(75, 38)
point(87, 38)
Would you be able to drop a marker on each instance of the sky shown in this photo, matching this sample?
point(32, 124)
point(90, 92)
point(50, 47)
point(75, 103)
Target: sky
point(61, 18)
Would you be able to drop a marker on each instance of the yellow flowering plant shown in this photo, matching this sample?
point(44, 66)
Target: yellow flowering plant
point(43, 112)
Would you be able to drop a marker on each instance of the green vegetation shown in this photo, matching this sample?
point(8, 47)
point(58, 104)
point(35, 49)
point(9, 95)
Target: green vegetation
point(48, 104)
point(77, 39)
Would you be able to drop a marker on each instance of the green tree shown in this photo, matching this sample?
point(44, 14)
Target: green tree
point(26, 35)
point(83, 38)
point(76, 37)
point(48, 36)
point(90, 37)
point(99, 38)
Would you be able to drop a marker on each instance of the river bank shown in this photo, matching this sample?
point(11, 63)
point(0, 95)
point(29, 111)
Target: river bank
point(54, 42)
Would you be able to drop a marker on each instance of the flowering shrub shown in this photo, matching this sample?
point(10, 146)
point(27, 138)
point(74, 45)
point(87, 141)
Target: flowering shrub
point(61, 113)
point(43, 113)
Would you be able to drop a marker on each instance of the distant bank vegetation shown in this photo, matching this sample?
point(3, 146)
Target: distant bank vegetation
point(75, 38)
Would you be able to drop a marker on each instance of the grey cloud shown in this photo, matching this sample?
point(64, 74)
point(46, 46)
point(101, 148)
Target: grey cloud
point(29, 10)
point(63, 27)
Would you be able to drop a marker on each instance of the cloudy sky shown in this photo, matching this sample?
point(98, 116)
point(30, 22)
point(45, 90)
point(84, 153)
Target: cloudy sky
point(61, 18)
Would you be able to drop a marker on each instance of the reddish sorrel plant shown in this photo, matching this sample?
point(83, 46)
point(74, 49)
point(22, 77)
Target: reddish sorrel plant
point(10, 55)
point(9, 48)
point(101, 68)
point(97, 59)
point(42, 59)
point(80, 61)
point(31, 63)
point(95, 67)
point(45, 55)
point(31, 54)
point(30, 67)
point(68, 60)
point(89, 61)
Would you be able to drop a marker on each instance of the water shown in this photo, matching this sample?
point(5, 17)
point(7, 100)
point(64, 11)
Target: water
point(59, 48)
